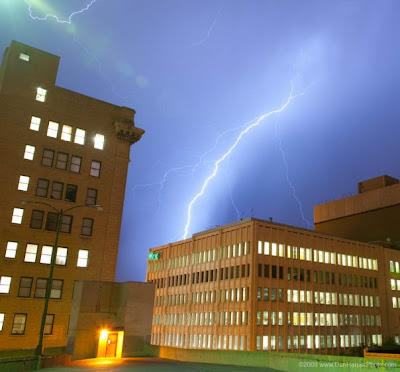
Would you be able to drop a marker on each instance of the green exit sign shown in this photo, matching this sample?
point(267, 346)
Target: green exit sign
point(153, 256)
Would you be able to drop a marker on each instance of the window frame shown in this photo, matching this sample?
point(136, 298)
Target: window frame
point(40, 186)
point(24, 288)
point(13, 329)
point(29, 152)
point(95, 172)
point(46, 159)
point(11, 252)
point(73, 165)
point(90, 197)
point(86, 227)
point(37, 217)
point(59, 161)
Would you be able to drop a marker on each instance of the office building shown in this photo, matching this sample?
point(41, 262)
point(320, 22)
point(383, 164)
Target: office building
point(258, 285)
point(61, 150)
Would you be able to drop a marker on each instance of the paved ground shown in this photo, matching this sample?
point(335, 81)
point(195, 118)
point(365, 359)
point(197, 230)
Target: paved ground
point(149, 365)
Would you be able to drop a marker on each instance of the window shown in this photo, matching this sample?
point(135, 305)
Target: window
point(31, 251)
point(17, 215)
point(62, 160)
point(24, 57)
point(70, 194)
point(1, 321)
point(45, 257)
point(18, 327)
point(11, 249)
point(29, 152)
point(61, 257)
point(52, 129)
point(41, 94)
point(5, 283)
point(35, 123)
point(42, 188)
point(48, 325)
point(83, 258)
point(87, 226)
point(66, 133)
point(91, 196)
point(66, 223)
point(79, 136)
point(56, 288)
point(47, 158)
point(95, 168)
point(99, 141)
point(23, 183)
point(36, 219)
point(25, 286)
point(76, 162)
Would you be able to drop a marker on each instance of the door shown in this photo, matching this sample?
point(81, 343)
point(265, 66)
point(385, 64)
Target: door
point(111, 347)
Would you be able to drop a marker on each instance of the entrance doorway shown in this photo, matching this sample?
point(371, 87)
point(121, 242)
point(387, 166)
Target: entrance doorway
point(111, 347)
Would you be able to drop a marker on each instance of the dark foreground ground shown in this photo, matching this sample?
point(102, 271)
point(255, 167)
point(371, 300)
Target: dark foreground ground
point(149, 365)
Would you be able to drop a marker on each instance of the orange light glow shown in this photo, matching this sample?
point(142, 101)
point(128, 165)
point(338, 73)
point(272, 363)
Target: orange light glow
point(103, 334)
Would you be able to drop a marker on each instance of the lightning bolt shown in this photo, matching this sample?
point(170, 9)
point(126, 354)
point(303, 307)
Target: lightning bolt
point(254, 123)
point(197, 43)
point(41, 5)
point(288, 179)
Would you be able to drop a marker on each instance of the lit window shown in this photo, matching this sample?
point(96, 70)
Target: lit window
point(61, 258)
point(45, 258)
point(87, 226)
point(18, 327)
point(24, 57)
point(25, 286)
point(99, 141)
point(393, 284)
point(5, 283)
point(23, 183)
point(11, 249)
point(66, 133)
point(35, 123)
point(41, 94)
point(274, 249)
point(83, 258)
point(48, 326)
point(31, 251)
point(76, 162)
point(95, 168)
point(1, 321)
point(79, 136)
point(17, 215)
point(52, 130)
point(29, 152)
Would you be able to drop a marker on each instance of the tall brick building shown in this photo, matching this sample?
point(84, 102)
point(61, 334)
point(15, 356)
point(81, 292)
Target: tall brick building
point(66, 150)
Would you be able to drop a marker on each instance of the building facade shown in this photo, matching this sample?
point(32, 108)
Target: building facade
point(373, 214)
point(122, 312)
point(61, 150)
point(258, 285)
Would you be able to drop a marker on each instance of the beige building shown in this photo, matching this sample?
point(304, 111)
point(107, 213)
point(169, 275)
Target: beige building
point(61, 150)
point(371, 215)
point(258, 285)
point(121, 311)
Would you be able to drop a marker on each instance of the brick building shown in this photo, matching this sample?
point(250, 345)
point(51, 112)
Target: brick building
point(64, 150)
point(259, 285)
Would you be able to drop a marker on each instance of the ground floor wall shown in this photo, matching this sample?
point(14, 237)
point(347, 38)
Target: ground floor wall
point(279, 361)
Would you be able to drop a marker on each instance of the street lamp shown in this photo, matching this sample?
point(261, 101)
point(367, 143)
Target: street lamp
point(60, 214)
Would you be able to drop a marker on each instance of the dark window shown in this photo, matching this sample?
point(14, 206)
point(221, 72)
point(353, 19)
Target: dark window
point(226, 272)
point(295, 273)
point(302, 275)
point(36, 219)
point(87, 226)
point(18, 327)
point(91, 196)
point(333, 278)
point(350, 280)
point(42, 188)
point(280, 294)
point(308, 275)
point(56, 288)
point(259, 293)
point(66, 223)
point(221, 274)
point(76, 162)
point(375, 283)
point(47, 158)
point(243, 271)
point(57, 190)
point(327, 278)
point(273, 267)
point(354, 280)
point(315, 276)
point(25, 286)
point(70, 193)
point(62, 160)
point(237, 271)
point(51, 222)
point(273, 294)
point(370, 282)
point(232, 272)
point(289, 273)
point(266, 271)
point(280, 272)
point(95, 168)
point(259, 270)
point(48, 327)
point(266, 294)
point(340, 279)
point(344, 279)
point(321, 277)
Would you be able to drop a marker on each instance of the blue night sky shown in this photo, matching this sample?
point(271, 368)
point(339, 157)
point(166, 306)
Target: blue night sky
point(199, 72)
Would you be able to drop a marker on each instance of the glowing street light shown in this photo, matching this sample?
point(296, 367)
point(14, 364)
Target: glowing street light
point(60, 214)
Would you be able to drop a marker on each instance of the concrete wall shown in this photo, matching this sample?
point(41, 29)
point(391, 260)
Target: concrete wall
point(280, 361)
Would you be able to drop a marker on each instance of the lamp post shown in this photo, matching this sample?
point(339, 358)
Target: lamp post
point(60, 214)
